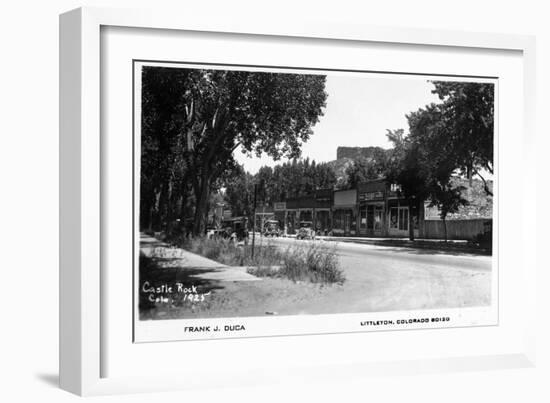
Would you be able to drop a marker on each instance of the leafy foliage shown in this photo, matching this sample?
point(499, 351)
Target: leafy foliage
point(467, 111)
point(239, 192)
point(364, 169)
point(193, 120)
point(454, 136)
point(290, 179)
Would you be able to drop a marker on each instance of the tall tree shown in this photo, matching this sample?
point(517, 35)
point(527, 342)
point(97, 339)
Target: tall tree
point(290, 179)
point(468, 111)
point(258, 112)
point(265, 183)
point(405, 167)
point(239, 192)
point(363, 169)
point(218, 111)
point(429, 130)
point(163, 188)
point(423, 162)
point(299, 178)
point(448, 199)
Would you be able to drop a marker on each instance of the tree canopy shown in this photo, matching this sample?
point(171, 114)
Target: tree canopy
point(363, 169)
point(195, 119)
point(287, 180)
point(467, 115)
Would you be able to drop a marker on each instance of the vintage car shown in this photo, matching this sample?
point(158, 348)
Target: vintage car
point(216, 233)
point(236, 228)
point(271, 228)
point(306, 230)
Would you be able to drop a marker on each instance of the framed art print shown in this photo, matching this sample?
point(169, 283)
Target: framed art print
point(327, 248)
point(289, 199)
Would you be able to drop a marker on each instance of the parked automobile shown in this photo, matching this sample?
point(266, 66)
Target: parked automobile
point(271, 228)
point(237, 228)
point(216, 233)
point(306, 230)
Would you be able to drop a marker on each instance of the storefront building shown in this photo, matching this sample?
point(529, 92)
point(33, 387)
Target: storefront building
point(264, 213)
point(322, 219)
point(344, 213)
point(382, 212)
point(371, 201)
point(306, 206)
point(374, 209)
point(298, 210)
point(314, 209)
point(280, 214)
point(292, 221)
point(400, 213)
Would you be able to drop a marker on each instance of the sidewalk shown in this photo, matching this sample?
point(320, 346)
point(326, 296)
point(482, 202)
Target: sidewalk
point(202, 268)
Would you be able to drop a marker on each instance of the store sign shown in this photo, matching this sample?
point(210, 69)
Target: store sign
point(371, 196)
point(279, 206)
point(345, 198)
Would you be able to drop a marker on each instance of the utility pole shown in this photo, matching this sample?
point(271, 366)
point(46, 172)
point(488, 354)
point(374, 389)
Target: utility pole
point(262, 222)
point(254, 220)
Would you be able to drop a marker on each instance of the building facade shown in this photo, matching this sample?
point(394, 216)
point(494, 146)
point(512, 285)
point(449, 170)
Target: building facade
point(344, 213)
point(373, 209)
point(383, 212)
point(314, 208)
point(377, 209)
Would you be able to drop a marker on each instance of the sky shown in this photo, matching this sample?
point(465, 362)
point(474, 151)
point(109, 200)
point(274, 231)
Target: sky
point(358, 112)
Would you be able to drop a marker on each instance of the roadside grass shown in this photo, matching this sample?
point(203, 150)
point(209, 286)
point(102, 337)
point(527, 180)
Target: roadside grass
point(316, 263)
point(311, 262)
point(229, 253)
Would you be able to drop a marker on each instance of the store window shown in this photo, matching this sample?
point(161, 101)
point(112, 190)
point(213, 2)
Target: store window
point(399, 218)
point(338, 219)
point(363, 217)
point(370, 217)
point(394, 218)
point(403, 218)
point(378, 213)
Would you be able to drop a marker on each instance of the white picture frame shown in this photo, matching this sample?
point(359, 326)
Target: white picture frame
point(83, 344)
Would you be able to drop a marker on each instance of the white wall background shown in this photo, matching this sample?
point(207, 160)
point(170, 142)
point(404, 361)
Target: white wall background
point(29, 197)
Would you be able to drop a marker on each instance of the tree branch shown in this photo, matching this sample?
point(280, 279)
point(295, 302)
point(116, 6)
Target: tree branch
point(485, 184)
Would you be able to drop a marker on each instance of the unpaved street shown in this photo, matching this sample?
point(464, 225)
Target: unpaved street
point(381, 278)
point(378, 278)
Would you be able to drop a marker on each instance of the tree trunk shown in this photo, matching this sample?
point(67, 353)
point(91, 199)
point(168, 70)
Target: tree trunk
point(183, 197)
point(485, 185)
point(166, 206)
point(151, 214)
point(201, 204)
point(445, 228)
point(155, 209)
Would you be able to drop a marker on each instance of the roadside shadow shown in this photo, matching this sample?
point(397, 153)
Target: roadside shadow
point(49, 379)
point(153, 275)
point(432, 251)
point(162, 273)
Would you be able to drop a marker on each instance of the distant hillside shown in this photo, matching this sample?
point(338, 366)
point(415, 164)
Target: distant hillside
point(479, 204)
point(345, 157)
point(339, 167)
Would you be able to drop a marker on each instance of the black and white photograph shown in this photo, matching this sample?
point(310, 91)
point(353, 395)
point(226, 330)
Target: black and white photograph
point(268, 192)
point(275, 202)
